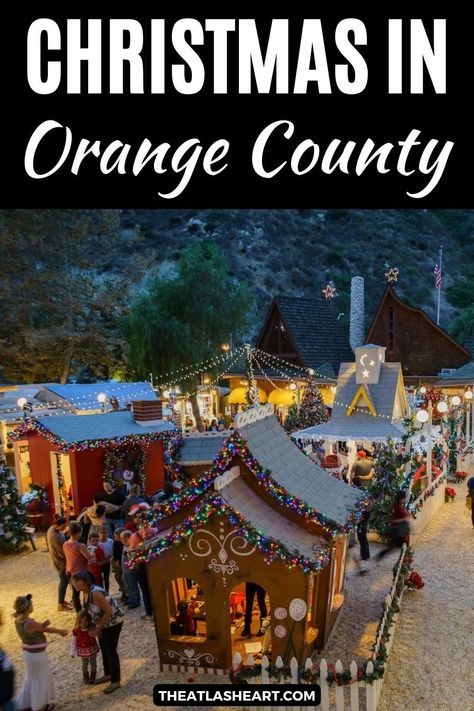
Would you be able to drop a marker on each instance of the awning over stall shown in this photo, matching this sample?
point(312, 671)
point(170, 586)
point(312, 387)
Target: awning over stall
point(238, 396)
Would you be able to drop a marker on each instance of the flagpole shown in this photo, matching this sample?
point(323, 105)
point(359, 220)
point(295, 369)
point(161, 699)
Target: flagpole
point(439, 290)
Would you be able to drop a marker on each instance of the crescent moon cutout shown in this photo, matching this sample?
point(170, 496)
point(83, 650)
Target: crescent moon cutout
point(362, 359)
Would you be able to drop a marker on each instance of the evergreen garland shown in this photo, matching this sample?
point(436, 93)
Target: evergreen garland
point(311, 412)
point(13, 518)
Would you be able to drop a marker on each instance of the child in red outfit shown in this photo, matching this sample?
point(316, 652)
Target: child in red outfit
point(85, 646)
point(185, 618)
point(94, 567)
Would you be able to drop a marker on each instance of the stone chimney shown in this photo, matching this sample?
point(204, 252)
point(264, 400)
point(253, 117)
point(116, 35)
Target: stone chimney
point(147, 412)
point(357, 326)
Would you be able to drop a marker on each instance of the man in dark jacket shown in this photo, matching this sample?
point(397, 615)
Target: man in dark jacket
point(113, 496)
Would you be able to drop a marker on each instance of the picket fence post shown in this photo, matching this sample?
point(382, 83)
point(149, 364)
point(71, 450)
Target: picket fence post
point(339, 689)
point(354, 687)
point(265, 665)
point(370, 691)
point(323, 669)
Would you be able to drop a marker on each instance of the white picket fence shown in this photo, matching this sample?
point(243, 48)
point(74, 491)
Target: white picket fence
point(355, 696)
point(428, 509)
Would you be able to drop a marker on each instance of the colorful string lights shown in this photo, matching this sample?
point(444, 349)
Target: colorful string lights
point(213, 504)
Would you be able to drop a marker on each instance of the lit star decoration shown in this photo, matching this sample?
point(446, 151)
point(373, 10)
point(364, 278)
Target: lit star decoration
point(236, 446)
point(211, 505)
point(329, 292)
point(392, 275)
point(365, 373)
point(372, 363)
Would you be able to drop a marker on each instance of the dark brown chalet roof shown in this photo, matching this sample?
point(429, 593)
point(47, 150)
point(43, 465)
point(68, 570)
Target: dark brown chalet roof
point(390, 291)
point(320, 339)
point(469, 345)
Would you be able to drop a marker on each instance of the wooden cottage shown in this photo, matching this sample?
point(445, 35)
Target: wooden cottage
point(263, 514)
point(308, 333)
point(71, 455)
point(413, 339)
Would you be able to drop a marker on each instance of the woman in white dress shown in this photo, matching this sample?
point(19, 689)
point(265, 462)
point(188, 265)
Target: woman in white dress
point(38, 692)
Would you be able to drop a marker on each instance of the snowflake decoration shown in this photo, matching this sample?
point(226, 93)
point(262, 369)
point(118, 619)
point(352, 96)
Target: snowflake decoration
point(391, 275)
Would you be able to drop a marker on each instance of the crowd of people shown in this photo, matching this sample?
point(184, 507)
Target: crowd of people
point(84, 552)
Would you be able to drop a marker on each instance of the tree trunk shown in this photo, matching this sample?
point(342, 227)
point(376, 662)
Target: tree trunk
point(66, 367)
point(196, 413)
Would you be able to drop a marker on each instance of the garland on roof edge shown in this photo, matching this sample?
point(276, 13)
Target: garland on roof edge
point(235, 445)
point(214, 504)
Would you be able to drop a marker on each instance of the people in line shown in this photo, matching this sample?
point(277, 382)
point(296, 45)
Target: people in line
point(56, 539)
point(117, 551)
point(115, 497)
point(106, 544)
point(134, 498)
point(96, 561)
point(77, 558)
point(144, 533)
point(129, 576)
point(38, 691)
point(84, 645)
point(252, 589)
point(107, 621)
point(399, 526)
point(96, 514)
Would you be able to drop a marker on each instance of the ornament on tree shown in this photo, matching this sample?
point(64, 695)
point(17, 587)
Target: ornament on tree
point(311, 412)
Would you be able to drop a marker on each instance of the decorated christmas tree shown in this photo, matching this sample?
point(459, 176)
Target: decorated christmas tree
point(312, 410)
point(12, 514)
point(389, 479)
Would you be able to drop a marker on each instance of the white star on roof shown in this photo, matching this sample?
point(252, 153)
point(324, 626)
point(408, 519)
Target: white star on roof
point(365, 373)
point(372, 363)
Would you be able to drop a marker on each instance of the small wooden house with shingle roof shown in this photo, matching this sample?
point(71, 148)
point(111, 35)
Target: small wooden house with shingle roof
point(263, 514)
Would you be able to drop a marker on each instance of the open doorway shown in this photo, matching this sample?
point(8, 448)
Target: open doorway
point(62, 484)
point(187, 608)
point(249, 609)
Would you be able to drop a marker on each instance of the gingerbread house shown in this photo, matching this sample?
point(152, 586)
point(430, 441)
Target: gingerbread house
point(263, 514)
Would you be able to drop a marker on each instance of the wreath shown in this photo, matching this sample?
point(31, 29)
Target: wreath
point(114, 457)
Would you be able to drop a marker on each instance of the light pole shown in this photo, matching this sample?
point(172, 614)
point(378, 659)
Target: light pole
point(426, 416)
point(102, 399)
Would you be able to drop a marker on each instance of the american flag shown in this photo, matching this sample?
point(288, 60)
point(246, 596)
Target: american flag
point(437, 273)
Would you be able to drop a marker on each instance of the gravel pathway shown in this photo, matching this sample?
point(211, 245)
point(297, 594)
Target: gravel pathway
point(431, 663)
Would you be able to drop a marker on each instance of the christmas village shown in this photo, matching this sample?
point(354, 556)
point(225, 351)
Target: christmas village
point(266, 508)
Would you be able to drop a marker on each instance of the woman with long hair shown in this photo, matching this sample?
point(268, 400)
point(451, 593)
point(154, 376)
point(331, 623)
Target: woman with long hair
point(38, 692)
point(107, 619)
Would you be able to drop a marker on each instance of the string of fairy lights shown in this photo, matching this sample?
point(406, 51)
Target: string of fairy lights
point(171, 379)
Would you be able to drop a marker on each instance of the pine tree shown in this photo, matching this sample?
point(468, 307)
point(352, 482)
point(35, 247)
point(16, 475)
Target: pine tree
point(13, 517)
point(389, 479)
point(311, 412)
